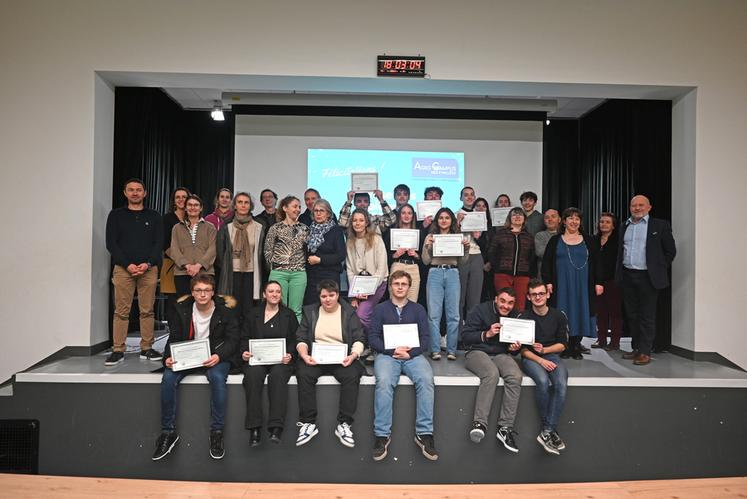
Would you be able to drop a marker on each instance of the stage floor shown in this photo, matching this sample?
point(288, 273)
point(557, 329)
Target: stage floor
point(600, 368)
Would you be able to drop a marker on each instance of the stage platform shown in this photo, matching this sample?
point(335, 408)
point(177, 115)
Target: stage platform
point(674, 418)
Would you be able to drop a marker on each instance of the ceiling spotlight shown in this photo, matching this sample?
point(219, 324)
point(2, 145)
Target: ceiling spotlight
point(217, 112)
point(547, 121)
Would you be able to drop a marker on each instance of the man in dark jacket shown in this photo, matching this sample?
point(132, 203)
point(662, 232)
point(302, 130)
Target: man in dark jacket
point(489, 359)
point(646, 250)
point(200, 316)
point(401, 356)
point(329, 328)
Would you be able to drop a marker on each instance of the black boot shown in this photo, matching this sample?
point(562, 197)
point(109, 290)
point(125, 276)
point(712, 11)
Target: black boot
point(254, 437)
point(575, 346)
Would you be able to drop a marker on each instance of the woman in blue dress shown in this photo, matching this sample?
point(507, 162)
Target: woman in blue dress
point(570, 268)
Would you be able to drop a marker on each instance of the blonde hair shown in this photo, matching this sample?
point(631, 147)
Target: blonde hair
point(370, 233)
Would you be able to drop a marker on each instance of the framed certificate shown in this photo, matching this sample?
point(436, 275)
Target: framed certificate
point(329, 353)
point(513, 330)
point(499, 216)
point(404, 238)
point(267, 351)
point(475, 221)
point(427, 209)
point(189, 354)
point(363, 285)
point(401, 335)
point(364, 182)
point(448, 245)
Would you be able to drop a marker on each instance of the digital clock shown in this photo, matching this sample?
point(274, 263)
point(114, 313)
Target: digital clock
point(395, 65)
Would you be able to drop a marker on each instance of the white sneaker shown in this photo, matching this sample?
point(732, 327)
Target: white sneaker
point(345, 434)
point(306, 432)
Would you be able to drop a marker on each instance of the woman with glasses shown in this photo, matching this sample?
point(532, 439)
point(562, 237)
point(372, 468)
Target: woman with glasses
point(511, 256)
point(570, 268)
point(326, 250)
point(192, 246)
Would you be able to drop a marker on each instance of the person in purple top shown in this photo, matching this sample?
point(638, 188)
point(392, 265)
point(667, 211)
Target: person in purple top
point(223, 212)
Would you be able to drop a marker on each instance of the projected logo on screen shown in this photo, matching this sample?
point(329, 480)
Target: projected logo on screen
point(436, 168)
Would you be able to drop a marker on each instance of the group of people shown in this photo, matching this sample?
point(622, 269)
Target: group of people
point(212, 269)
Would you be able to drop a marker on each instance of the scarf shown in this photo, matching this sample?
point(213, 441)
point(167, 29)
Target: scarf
point(241, 239)
point(316, 234)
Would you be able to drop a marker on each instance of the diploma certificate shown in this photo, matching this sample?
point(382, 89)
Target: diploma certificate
point(427, 209)
point(404, 238)
point(364, 182)
point(329, 353)
point(499, 216)
point(363, 285)
point(448, 245)
point(189, 354)
point(401, 335)
point(513, 330)
point(266, 351)
point(475, 221)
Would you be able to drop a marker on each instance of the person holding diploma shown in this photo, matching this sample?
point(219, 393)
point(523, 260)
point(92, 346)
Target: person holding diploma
point(192, 246)
point(362, 200)
point(332, 323)
point(571, 269)
point(271, 319)
point(542, 363)
point(366, 256)
point(285, 253)
point(200, 316)
point(483, 241)
point(431, 193)
point(407, 359)
point(471, 273)
point(443, 287)
point(512, 256)
point(489, 359)
point(326, 250)
point(407, 259)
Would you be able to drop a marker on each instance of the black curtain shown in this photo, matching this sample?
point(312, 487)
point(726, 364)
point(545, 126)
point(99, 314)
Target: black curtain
point(597, 163)
point(166, 146)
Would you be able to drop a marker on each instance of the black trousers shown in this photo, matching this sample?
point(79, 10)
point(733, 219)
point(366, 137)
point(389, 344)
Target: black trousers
point(277, 394)
point(181, 283)
point(243, 291)
point(349, 379)
point(639, 297)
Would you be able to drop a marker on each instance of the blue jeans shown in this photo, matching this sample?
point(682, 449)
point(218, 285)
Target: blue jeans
point(216, 376)
point(550, 390)
point(442, 293)
point(387, 371)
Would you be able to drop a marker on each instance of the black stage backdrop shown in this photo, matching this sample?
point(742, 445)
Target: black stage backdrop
point(597, 163)
point(166, 146)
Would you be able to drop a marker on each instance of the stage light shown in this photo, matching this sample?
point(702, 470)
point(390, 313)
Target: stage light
point(217, 113)
point(547, 121)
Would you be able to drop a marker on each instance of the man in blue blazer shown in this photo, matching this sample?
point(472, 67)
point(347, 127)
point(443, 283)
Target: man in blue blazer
point(646, 251)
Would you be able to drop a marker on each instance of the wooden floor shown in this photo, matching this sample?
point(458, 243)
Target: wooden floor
point(54, 487)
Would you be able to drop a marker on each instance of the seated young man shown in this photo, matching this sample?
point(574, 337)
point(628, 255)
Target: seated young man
point(200, 316)
point(542, 363)
point(330, 322)
point(489, 359)
point(408, 359)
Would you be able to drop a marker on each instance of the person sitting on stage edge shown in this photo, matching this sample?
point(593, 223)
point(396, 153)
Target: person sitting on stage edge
point(134, 239)
point(271, 319)
point(199, 316)
point(390, 363)
point(542, 363)
point(489, 359)
point(332, 323)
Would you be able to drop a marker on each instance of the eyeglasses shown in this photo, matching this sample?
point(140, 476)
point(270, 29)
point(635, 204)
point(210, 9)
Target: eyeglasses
point(202, 291)
point(538, 295)
point(320, 211)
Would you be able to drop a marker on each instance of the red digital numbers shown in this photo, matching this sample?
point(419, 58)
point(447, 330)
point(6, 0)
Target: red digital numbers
point(403, 67)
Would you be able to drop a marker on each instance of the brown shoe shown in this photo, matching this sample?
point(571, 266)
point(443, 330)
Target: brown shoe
point(642, 359)
point(630, 355)
point(611, 348)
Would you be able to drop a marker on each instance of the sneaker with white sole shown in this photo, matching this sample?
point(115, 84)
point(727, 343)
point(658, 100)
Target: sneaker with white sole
point(545, 441)
point(306, 432)
point(477, 432)
point(114, 358)
point(427, 447)
point(381, 444)
point(556, 440)
point(150, 355)
point(165, 443)
point(506, 437)
point(345, 434)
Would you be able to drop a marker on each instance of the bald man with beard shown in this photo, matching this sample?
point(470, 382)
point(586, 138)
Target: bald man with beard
point(645, 253)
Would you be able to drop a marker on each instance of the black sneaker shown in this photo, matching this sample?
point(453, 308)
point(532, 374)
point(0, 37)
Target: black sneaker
point(546, 442)
point(425, 442)
point(216, 444)
point(380, 446)
point(150, 355)
point(556, 440)
point(114, 358)
point(506, 436)
point(166, 441)
point(477, 432)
